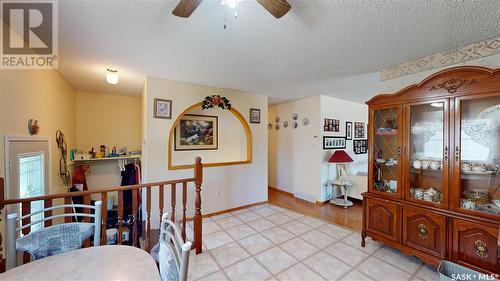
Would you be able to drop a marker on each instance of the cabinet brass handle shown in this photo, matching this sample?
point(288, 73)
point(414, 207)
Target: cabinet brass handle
point(399, 151)
point(457, 153)
point(481, 249)
point(446, 153)
point(422, 231)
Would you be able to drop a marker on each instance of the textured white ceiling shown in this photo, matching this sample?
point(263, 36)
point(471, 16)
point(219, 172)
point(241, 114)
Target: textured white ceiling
point(328, 47)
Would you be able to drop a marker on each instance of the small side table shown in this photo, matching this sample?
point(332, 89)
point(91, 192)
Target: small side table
point(345, 185)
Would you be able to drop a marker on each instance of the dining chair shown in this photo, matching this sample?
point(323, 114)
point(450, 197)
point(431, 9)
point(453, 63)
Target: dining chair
point(173, 254)
point(54, 239)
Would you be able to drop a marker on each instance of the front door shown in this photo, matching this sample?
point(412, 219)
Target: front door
point(28, 172)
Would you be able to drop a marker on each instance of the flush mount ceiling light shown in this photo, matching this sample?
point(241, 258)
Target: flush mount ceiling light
point(112, 76)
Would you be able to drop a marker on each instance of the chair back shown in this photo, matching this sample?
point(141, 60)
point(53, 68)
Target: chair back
point(173, 256)
point(54, 239)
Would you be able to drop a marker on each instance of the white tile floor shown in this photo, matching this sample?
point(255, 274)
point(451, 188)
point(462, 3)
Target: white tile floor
point(267, 242)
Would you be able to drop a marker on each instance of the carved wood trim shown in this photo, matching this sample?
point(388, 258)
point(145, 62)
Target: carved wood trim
point(422, 91)
point(453, 84)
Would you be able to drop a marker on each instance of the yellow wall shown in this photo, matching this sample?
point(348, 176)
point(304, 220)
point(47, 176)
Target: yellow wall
point(111, 120)
point(42, 95)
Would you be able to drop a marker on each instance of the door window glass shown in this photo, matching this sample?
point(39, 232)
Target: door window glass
point(31, 183)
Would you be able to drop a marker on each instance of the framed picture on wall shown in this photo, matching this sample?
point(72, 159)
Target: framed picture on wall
point(196, 132)
point(336, 125)
point(359, 130)
point(254, 115)
point(348, 130)
point(360, 146)
point(333, 142)
point(331, 125)
point(162, 109)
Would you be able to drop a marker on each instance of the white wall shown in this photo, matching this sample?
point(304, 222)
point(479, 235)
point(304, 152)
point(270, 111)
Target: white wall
point(294, 154)
point(297, 162)
point(344, 111)
point(238, 185)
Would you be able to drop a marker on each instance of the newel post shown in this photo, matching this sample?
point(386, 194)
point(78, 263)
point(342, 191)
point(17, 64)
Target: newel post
point(198, 179)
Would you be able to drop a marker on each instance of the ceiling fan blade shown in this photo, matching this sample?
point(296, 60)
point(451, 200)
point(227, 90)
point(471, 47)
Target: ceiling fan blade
point(277, 8)
point(185, 8)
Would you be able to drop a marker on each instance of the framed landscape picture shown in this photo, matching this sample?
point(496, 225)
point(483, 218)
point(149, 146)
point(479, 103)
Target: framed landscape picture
point(254, 115)
point(348, 130)
point(333, 142)
point(196, 132)
point(163, 109)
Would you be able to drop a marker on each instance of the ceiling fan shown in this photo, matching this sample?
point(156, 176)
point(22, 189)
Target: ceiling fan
point(277, 8)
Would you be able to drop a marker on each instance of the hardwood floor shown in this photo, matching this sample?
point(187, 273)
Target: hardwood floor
point(351, 217)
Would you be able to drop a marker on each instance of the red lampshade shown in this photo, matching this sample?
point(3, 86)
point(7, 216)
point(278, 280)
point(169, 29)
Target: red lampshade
point(340, 156)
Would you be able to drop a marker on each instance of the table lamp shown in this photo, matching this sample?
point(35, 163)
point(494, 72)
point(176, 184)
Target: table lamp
point(340, 157)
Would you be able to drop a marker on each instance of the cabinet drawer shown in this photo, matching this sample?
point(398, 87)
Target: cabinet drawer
point(383, 218)
point(424, 231)
point(475, 245)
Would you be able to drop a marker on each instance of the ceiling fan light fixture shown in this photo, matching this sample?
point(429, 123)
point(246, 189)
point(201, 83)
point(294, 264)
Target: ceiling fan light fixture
point(112, 76)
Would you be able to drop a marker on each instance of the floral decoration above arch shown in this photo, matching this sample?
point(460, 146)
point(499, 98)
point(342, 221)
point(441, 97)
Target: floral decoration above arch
point(216, 101)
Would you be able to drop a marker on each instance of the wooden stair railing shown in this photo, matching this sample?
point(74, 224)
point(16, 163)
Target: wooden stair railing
point(50, 200)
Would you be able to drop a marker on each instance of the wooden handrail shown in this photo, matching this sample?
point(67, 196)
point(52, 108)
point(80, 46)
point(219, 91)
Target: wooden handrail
point(90, 192)
point(180, 184)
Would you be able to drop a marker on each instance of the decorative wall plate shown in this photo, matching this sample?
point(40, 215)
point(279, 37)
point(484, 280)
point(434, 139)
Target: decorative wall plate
point(295, 116)
point(285, 124)
point(305, 121)
point(277, 126)
point(295, 124)
point(277, 119)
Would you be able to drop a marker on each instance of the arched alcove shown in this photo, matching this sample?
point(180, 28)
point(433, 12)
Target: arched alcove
point(236, 114)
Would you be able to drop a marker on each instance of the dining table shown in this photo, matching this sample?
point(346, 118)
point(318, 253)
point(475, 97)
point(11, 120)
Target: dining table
point(113, 262)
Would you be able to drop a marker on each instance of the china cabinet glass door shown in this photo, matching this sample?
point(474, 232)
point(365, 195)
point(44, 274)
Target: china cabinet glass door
point(386, 139)
point(427, 169)
point(477, 155)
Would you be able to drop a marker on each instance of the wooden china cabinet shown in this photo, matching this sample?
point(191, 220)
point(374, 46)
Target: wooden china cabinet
point(434, 169)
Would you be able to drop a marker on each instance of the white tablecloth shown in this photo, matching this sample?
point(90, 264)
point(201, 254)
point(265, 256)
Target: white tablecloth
point(94, 263)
